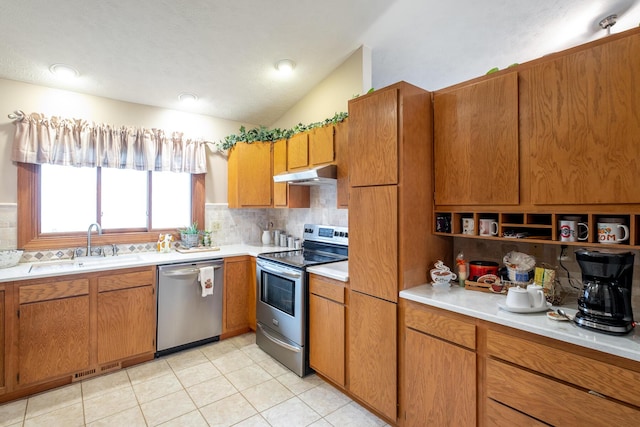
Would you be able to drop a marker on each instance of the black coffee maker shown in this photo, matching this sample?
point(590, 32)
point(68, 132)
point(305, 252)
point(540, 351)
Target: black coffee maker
point(605, 302)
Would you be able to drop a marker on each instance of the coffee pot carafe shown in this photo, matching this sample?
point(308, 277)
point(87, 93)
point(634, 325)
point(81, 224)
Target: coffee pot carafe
point(605, 302)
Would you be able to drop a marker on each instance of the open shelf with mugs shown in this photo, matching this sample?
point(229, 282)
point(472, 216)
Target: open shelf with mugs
point(570, 228)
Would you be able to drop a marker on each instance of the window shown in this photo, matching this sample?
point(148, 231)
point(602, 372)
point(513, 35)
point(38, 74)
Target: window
point(56, 204)
point(71, 199)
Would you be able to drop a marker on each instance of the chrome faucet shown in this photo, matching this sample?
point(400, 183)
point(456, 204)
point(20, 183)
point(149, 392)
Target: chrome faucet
point(89, 236)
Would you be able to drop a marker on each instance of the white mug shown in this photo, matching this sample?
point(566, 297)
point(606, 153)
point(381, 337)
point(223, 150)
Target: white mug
point(569, 231)
point(468, 226)
point(488, 227)
point(536, 296)
point(612, 232)
point(442, 277)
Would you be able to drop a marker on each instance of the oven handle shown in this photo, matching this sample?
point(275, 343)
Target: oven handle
point(277, 341)
point(282, 272)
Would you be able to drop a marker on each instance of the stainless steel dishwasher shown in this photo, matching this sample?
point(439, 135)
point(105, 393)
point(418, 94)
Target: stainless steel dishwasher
point(186, 318)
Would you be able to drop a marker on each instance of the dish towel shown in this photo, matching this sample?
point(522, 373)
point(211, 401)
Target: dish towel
point(206, 281)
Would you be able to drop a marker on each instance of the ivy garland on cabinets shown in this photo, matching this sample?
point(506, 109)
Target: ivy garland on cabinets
point(263, 134)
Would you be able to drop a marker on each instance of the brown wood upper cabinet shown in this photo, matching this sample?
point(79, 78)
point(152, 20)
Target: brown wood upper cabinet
point(580, 124)
point(285, 195)
point(373, 139)
point(476, 143)
point(321, 145)
point(250, 175)
point(298, 151)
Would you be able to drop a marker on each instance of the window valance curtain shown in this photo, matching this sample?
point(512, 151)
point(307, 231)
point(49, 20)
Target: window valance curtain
point(75, 142)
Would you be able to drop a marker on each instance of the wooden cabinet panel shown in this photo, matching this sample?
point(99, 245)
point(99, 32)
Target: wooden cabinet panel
point(373, 138)
point(442, 326)
point(321, 148)
point(327, 338)
point(298, 151)
point(237, 278)
point(250, 176)
point(441, 382)
point(499, 415)
point(3, 323)
point(579, 120)
point(279, 166)
point(53, 290)
point(372, 352)
point(342, 162)
point(551, 401)
point(327, 288)
point(126, 323)
point(118, 281)
point(373, 237)
point(604, 378)
point(476, 143)
point(53, 338)
point(253, 291)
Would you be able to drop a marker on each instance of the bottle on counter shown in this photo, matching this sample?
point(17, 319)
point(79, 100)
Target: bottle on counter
point(462, 269)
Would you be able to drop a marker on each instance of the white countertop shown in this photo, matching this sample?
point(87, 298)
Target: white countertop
point(334, 270)
point(484, 306)
point(21, 271)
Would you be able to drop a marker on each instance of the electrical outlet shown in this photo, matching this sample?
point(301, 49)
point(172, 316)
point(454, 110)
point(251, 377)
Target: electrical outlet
point(562, 256)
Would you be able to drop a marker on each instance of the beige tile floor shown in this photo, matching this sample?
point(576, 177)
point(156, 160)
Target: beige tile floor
point(228, 383)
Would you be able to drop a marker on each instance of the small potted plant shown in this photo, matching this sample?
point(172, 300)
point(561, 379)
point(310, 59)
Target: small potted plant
point(190, 236)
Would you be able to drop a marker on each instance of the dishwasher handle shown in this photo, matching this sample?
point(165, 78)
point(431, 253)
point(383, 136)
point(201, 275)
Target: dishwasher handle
point(185, 272)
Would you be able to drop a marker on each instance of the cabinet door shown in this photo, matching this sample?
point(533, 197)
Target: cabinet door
point(372, 352)
point(2, 338)
point(373, 241)
point(53, 338)
point(342, 163)
point(373, 138)
point(326, 338)
point(579, 118)
point(250, 175)
point(298, 151)
point(237, 278)
point(441, 382)
point(321, 149)
point(476, 143)
point(279, 166)
point(126, 323)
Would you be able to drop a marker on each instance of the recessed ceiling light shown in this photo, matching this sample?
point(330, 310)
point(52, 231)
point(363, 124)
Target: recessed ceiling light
point(285, 66)
point(64, 71)
point(187, 98)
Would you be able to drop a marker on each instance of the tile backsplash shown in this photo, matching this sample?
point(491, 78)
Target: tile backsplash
point(568, 271)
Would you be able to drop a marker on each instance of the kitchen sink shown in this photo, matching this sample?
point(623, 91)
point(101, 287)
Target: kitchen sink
point(81, 263)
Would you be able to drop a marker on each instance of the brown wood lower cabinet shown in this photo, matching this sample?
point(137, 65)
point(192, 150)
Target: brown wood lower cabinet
point(458, 371)
point(3, 323)
point(373, 352)
point(237, 295)
point(53, 330)
point(125, 300)
point(327, 317)
point(67, 328)
point(440, 369)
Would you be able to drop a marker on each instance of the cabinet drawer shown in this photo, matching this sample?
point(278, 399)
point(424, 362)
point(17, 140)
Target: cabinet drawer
point(551, 401)
point(499, 415)
point(441, 326)
point(327, 288)
point(55, 290)
point(126, 280)
point(604, 378)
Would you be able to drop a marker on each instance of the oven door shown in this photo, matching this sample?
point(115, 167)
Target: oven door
point(280, 303)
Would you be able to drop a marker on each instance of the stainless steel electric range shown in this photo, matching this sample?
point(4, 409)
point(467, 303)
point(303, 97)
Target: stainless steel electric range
point(282, 304)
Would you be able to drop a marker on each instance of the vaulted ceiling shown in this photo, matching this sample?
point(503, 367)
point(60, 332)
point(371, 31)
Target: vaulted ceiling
point(150, 51)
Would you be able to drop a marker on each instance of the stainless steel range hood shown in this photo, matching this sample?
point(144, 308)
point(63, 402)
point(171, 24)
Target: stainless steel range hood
point(321, 175)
